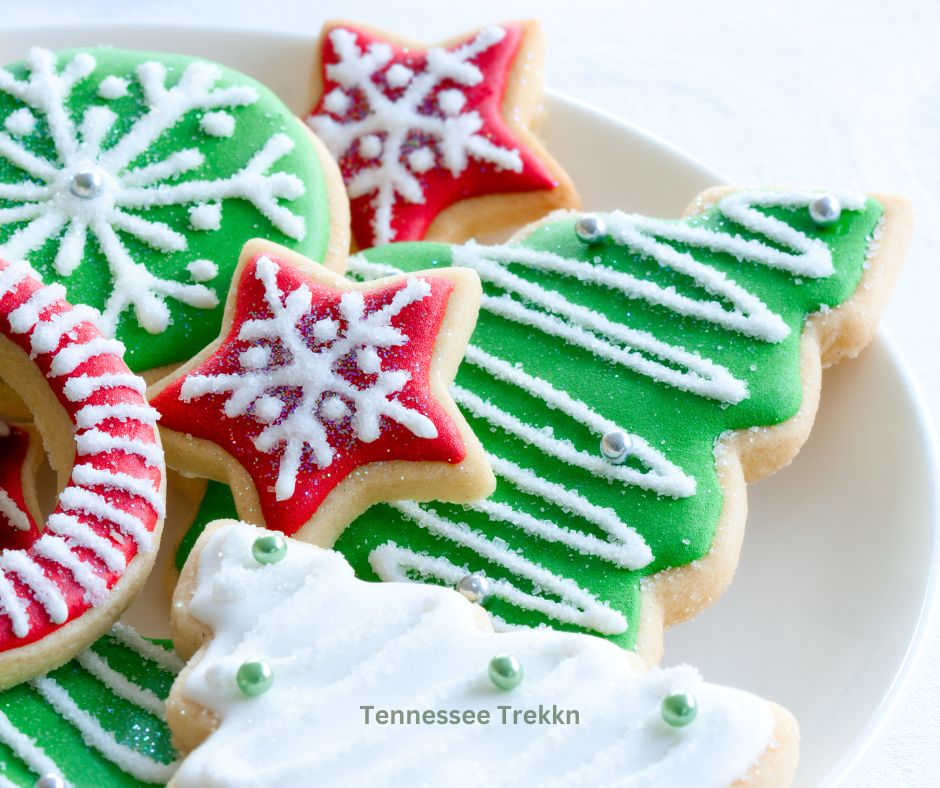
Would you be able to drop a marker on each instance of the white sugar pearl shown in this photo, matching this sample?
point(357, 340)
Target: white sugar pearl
point(615, 445)
point(825, 210)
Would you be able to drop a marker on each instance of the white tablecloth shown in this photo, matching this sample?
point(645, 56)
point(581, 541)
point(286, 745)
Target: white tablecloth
point(804, 91)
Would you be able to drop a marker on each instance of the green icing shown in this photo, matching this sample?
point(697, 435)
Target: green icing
point(190, 327)
point(217, 504)
point(130, 725)
point(683, 426)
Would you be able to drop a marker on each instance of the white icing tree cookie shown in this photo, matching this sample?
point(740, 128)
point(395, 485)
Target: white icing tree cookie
point(300, 666)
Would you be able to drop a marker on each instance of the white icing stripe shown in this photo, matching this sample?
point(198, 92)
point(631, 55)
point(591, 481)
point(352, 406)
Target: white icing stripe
point(626, 549)
point(55, 549)
point(89, 476)
point(694, 373)
point(13, 275)
point(83, 386)
point(576, 606)
point(69, 358)
point(77, 499)
point(44, 590)
point(48, 334)
point(27, 750)
point(134, 763)
point(95, 441)
point(677, 486)
point(120, 685)
point(16, 516)
point(13, 607)
point(132, 639)
point(80, 534)
point(25, 316)
point(668, 478)
point(702, 376)
point(93, 415)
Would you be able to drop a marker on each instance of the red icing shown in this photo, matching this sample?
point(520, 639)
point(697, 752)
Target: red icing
point(203, 416)
point(441, 188)
point(13, 450)
point(40, 624)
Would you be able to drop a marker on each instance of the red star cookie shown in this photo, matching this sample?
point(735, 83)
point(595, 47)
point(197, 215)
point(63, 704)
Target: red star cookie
point(418, 132)
point(323, 396)
point(19, 460)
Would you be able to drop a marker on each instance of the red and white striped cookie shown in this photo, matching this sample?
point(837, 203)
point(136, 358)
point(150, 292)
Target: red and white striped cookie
point(71, 582)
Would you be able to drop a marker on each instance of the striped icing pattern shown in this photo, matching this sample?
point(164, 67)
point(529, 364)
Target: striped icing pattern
point(115, 496)
point(98, 720)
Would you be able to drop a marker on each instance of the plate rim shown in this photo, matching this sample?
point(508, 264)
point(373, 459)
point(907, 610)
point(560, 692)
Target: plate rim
point(930, 446)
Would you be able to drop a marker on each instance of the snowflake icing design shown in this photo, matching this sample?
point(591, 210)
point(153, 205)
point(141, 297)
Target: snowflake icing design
point(313, 362)
point(412, 108)
point(89, 189)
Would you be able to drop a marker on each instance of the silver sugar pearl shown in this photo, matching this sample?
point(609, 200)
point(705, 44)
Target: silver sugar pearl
point(476, 588)
point(591, 228)
point(50, 781)
point(86, 184)
point(825, 210)
point(615, 446)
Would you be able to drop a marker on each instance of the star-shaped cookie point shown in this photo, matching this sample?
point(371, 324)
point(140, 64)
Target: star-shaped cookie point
point(419, 131)
point(322, 396)
point(19, 461)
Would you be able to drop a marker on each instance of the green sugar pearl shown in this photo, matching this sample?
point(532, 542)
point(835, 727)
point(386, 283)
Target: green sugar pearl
point(269, 549)
point(680, 709)
point(506, 671)
point(254, 678)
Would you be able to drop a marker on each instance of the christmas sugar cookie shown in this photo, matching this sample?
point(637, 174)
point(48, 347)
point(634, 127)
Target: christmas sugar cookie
point(404, 684)
point(322, 396)
point(97, 720)
point(134, 179)
point(627, 375)
point(436, 142)
point(63, 585)
point(20, 456)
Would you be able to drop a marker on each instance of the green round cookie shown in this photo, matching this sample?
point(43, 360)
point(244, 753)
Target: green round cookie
point(134, 179)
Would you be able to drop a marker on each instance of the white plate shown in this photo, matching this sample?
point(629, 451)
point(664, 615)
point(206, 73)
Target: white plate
point(828, 612)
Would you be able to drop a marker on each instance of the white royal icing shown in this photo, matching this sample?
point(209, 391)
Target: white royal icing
point(89, 721)
point(336, 643)
point(14, 516)
point(70, 335)
point(44, 202)
point(537, 306)
point(382, 133)
point(312, 366)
